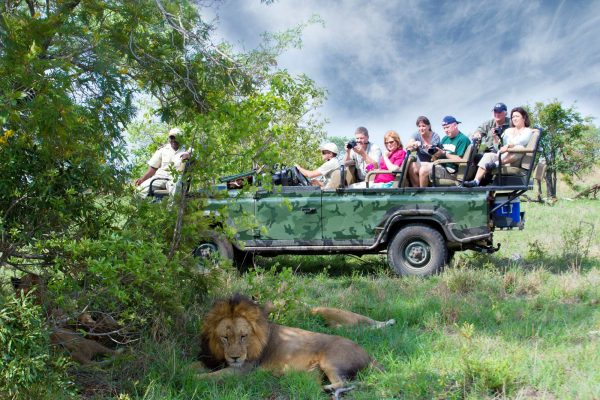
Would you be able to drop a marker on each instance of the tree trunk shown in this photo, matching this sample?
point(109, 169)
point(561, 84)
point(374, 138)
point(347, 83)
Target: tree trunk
point(539, 191)
point(551, 182)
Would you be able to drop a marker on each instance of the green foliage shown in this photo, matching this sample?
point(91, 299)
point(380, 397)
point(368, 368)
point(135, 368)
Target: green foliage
point(125, 271)
point(28, 369)
point(577, 241)
point(567, 141)
point(280, 288)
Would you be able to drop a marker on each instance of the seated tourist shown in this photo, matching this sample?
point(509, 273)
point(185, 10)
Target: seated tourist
point(362, 153)
point(391, 160)
point(454, 145)
point(422, 142)
point(517, 136)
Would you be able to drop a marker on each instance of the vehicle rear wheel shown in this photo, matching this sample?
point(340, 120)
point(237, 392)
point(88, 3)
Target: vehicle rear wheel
point(213, 247)
point(417, 249)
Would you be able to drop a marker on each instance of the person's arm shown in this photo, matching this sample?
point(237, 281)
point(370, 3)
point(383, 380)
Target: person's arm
point(371, 158)
point(441, 154)
point(307, 173)
point(347, 155)
point(149, 174)
point(396, 164)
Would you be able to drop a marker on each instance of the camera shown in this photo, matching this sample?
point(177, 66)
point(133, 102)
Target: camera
point(499, 130)
point(434, 149)
point(351, 144)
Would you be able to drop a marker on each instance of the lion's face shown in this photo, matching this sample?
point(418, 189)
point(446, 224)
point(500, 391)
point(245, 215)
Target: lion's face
point(235, 331)
point(234, 335)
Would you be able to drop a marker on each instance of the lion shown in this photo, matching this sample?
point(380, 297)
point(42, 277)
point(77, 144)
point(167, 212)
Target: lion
point(337, 318)
point(237, 337)
point(80, 348)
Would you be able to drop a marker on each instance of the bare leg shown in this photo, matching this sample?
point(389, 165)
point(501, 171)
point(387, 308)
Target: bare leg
point(424, 173)
point(413, 174)
point(480, 174)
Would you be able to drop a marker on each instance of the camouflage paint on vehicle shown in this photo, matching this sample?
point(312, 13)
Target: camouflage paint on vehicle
point(307, 218)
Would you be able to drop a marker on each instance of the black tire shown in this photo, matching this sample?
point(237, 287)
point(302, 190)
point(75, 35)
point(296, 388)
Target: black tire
point(450, 256)
point(213, 247)
point(417, 249)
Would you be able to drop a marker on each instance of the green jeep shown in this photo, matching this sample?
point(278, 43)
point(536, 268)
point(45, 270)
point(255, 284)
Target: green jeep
point(420, 229)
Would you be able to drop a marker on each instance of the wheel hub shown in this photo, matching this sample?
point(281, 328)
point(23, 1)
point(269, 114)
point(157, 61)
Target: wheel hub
point(417, 253)
point(206, 250)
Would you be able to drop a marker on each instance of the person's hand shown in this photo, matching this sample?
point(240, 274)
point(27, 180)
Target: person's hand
point(358, 149)
point(185, 155)
point(438, 154)
point(138, 182)
point(476, 135)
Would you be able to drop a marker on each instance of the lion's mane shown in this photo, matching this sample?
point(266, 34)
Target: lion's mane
point(213, 354)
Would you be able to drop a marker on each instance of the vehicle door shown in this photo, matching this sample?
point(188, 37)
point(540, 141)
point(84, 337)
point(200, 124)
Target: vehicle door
point(289, 213)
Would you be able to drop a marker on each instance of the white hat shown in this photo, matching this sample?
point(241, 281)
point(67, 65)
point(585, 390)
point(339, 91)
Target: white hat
point(174, 132)
point(332, 147)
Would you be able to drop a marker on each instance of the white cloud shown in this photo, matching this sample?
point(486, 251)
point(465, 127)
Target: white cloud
point(386, 62)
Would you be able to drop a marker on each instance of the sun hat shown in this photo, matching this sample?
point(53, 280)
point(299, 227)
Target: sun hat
point(332, 147)
point(174, 132)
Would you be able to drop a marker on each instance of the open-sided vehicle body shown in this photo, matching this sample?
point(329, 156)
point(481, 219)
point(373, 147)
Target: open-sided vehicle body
point(419, 228)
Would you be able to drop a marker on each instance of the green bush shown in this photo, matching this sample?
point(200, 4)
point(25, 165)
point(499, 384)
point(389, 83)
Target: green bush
point(28, 369)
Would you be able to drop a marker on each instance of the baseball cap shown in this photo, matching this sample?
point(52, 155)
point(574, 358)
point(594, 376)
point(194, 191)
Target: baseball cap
point(332, 147)
point(174, 132)
point(449, 119)
point(499, 107)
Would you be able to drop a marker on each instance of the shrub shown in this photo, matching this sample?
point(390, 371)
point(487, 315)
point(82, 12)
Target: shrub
point(28, 369)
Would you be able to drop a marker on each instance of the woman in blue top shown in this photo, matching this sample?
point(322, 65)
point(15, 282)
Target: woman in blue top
point(421, 141)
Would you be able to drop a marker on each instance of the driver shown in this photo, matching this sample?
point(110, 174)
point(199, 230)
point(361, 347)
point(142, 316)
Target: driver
point(322, 175)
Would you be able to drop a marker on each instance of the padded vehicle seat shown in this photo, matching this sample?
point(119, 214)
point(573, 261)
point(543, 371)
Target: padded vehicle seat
point(465, 169)
point(400, 176)
point(335, 181)
point(520, 174)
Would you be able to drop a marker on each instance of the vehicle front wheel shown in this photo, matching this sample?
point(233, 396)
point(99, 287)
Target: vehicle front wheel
point(212, 247)
point(417, 249)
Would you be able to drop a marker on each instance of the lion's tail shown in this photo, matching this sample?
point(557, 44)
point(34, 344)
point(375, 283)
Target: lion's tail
point(383, 324)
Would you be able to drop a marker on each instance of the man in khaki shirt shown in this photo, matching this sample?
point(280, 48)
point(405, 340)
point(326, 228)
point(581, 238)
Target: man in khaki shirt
point(159, 165)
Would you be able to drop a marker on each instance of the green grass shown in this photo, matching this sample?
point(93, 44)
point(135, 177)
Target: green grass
point(523, 323)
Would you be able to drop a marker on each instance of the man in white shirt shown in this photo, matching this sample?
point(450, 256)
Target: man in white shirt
point(363, 153)
point(171, 154)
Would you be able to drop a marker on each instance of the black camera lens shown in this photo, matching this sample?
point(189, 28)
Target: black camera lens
point(351, 144)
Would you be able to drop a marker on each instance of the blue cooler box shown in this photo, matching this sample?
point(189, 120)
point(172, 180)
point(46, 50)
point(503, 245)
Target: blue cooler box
point(509, 215)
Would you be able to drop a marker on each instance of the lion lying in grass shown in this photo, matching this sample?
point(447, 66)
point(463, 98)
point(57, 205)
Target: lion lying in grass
point(81, 349)
point(237, 337)
point(337, 318)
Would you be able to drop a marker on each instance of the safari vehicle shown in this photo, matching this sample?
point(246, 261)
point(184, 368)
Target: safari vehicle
point(420, 229)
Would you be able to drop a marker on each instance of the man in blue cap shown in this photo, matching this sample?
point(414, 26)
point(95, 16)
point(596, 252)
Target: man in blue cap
point(490, 131)
point(454, 145)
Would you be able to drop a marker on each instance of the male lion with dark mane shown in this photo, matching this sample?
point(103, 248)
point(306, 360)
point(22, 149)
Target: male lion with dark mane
point(237, 337)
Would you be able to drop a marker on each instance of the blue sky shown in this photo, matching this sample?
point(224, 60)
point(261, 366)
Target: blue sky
point(385, 62)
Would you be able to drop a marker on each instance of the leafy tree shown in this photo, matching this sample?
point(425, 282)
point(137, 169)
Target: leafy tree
point(567, 143)
point(70, 71)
